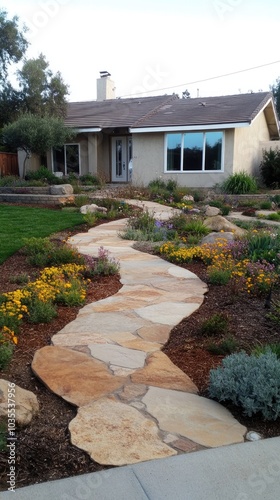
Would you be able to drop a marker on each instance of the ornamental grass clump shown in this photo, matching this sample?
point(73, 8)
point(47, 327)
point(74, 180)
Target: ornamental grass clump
point(240, 183)
point(251, 382)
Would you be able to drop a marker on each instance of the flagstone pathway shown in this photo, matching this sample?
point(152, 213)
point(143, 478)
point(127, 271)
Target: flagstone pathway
point(133, 403)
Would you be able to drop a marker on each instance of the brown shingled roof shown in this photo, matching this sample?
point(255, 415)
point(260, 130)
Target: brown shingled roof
point(240, 108)
point(114, 112)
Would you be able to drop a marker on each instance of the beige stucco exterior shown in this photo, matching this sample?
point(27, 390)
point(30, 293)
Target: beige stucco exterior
point(149, 159)
point(247, 145)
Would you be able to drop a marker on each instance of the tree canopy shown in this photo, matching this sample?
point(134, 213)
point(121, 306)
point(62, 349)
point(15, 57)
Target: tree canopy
point(13, 43)
point(34, 134)
point(40, 92)
point(275, 88)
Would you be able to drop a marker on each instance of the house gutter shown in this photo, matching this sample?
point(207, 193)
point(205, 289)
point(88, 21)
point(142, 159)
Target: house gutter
point(93, 129)
point(182, 128)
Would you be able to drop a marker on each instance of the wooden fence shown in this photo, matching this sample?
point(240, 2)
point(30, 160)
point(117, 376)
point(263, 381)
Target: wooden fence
point(8, 164)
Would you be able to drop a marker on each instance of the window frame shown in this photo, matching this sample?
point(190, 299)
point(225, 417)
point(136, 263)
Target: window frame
point(65, 173)
point(203, 170)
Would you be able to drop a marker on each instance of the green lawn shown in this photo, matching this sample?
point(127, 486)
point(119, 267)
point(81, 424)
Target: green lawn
point(17, 223)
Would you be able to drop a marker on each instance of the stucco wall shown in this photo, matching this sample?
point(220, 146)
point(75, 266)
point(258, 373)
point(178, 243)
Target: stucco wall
point(148, 162)
point(247, 146)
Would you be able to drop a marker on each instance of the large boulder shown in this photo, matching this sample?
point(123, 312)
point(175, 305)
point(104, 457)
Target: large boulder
point(219, 223)
point(26, 403)
point(211, 211)
point(213, 237)
point(61, 189)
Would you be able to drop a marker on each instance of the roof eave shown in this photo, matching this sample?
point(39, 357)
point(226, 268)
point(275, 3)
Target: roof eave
point(182, 128)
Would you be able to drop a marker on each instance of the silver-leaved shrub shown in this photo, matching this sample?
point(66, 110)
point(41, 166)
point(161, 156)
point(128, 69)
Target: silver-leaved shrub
point(250, 382)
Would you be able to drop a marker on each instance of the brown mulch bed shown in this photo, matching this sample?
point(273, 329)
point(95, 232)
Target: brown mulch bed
point(44, 451)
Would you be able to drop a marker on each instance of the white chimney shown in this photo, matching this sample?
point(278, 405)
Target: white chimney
point(105, 87)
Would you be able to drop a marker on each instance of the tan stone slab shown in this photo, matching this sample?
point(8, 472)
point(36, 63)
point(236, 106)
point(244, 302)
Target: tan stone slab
point(118, 355)
point(155, 333)
point(199, 419)
point(132, 391)
point(161, 372)
point(167, 313)
point(74, 376)
point(104, 323)
point(141, 345)
point(117, 303)
point(75, 339)
point(113, 433)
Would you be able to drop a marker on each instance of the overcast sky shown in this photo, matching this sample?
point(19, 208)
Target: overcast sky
point(155, 47)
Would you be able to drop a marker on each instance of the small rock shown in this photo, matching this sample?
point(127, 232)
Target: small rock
point(91, 209)
point(188, 197)
point(26, 403)
point(253, 436)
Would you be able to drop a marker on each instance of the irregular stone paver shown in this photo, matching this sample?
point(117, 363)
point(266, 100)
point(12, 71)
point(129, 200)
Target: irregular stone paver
point(141, 345)
point(135, 404)
point(167, 313)
point(119, 356)
point(114, 433)
point(161, 372)
point(155, 333)
point(132, 391)
point(74, 375)
point(202, 420)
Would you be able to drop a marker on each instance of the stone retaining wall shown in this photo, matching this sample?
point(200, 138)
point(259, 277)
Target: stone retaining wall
point(40, 199)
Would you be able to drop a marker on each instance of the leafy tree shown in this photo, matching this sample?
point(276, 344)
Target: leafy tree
point(34, 134)
point(275, 88)
point(42, 92)
point(13, 44)
point(10, 104)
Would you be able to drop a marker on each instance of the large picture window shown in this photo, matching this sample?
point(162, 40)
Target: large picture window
point(194, 151)
point(66, 160)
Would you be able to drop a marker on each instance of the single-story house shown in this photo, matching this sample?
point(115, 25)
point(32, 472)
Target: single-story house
point(197, 141)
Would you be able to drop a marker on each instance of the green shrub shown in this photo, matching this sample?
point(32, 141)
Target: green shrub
point(6, 353)
point(270, 168)
point(226, 346)
point(44, 175)
point(197, 227)
point(43, 252)
point(216, 325)
point(218, 276)
point(264, 246)
point(224, 208)
point(265, 205)
point(90, 180)
point(73, 296)
point(11, 181)
point(275, 199)
point(81, 199)
point(250, 382)
point(263, 349)
point(239, 183)
point(19, 279)
point(274, 216)
point(41, 312)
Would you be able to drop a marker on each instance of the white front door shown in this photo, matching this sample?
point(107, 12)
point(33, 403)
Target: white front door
point(121, 155)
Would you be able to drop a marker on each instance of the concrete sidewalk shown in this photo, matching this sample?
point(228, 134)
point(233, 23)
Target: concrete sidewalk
point(238, 472)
